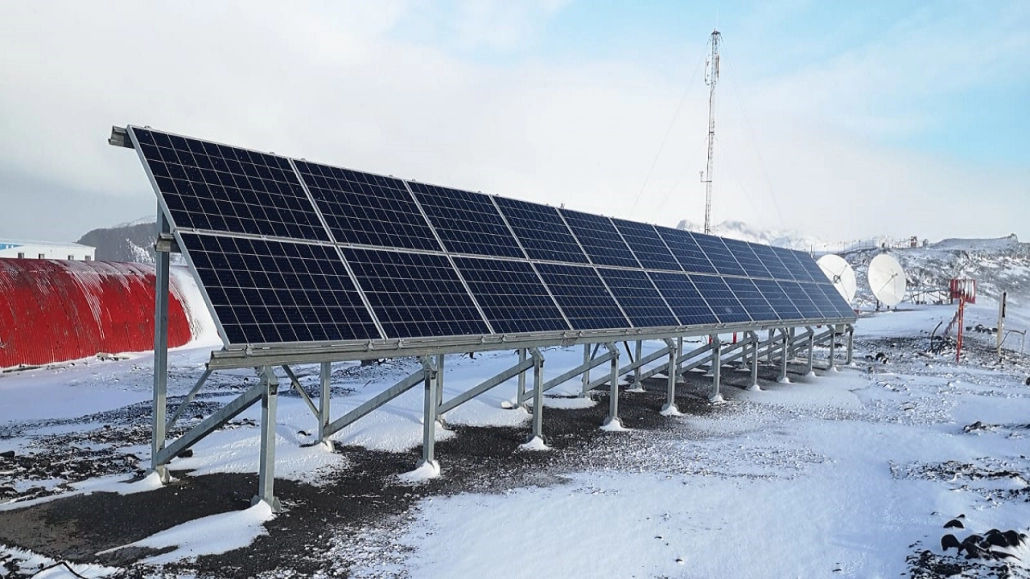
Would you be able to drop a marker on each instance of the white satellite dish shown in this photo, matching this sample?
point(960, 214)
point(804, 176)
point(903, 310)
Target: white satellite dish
point(839, 272)
point(887, 279)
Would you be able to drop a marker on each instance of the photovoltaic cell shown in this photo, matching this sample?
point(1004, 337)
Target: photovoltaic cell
point(686, 250)
point(366, 209)
point(511, 295)
point(775, 265)
point(718, 254)
point(802, 302)
point(466, 222)
point(721, 299)
point(541, 231)
point(841, 306)
point(599, 239)
point(638, 298)
point(267, 291)
point(746, 256)
point(752, 299)
point(684, 299)
point(580, 294)
point(809, 267)
point(647, 245)
point(415, 295)
point(823, 302)
point(778, 299)
point(215, 187)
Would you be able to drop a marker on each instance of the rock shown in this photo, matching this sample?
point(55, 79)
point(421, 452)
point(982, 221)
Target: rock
point(1012, 538)
point(954, 524)
point(949, 541)
point(185, 454)
point(7, 454)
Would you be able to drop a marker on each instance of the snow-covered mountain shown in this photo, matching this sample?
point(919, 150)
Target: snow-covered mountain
point(744, 232)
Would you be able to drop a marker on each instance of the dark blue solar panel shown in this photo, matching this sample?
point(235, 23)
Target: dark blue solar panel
point(686, 250)
point(746, 256)
point(826, 305)
point(599, 239)
point(721, 299)
point(799, 296)
point(466, 222)
point(840, 305)
point(415, 294)
point(718, 254)
point(580, 294)
point(771, 259)
point(267, 291)
point(638, 297)
point(541, 231)
point(511, 295)
point(684, 299)
point(752, 299)
point(809, 269)
point(219, 188)
point(778, 299)
point(367, 209)
point(647, 245)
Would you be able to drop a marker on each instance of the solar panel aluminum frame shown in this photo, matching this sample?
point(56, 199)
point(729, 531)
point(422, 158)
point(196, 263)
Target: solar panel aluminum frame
point(249, 355)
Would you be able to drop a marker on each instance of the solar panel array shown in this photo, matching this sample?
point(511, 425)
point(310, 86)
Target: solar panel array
point(289, 251)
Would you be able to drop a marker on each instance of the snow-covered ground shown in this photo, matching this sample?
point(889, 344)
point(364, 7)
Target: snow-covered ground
point(850, 473)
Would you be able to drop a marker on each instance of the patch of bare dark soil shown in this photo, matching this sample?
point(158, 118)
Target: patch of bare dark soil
point(366, 496)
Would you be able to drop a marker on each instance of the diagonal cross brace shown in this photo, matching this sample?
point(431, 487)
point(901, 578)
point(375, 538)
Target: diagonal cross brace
point(488, 384)
point(370, 405)
point(210, 424)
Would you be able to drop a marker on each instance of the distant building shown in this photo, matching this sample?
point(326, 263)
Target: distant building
point(46, 250)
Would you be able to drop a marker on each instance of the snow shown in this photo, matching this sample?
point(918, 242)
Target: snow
point(534, 444)
point(426, 471)
point(209, 535)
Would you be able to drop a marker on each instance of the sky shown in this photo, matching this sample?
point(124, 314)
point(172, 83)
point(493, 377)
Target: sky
point(839, 120)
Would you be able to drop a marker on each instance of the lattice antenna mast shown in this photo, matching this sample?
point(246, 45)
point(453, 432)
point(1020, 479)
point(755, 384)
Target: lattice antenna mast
point(711, 78)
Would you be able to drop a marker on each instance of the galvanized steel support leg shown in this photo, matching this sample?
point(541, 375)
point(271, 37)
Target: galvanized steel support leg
point(325, 373)
point(783, 360)
point(716, 369)
point(520, 391)
point(158, 432)
point(266, 472)
point(832, 363)
point(429, 415)
point(811, 351)
point(638, 370)
point(670, 387)
point(754, 362)
point(851, 345)
point(439, 380)
point(586, 374)
point(613, 386)
point(769, 352)
point(538, 394)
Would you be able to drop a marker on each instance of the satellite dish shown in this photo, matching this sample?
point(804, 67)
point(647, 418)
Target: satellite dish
point(887, 279)
point(839, 272)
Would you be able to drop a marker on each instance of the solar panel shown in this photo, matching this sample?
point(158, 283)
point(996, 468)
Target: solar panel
point(802, 302)
point(579, 292)
point(825, 303)
point(638, 297)
point(415, 295)
point(541, 231)
point(685, 300)
point(721, 299)
point(752, 299)
point(747, 258)
point(771, 260)
point(778, 299)
point(807, 268)
point(646, 245)
point(266, 291)
point(511, 295)
point(599, 239)
point(367, 209)
point(719, 254)
point(466, 222)
point(840, 305)
point(686, 250)
point(214, 187)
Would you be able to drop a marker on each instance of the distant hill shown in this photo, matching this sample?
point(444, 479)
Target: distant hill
point(131, 242)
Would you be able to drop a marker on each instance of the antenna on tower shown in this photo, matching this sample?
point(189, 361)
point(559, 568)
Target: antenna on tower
point(711, 77)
